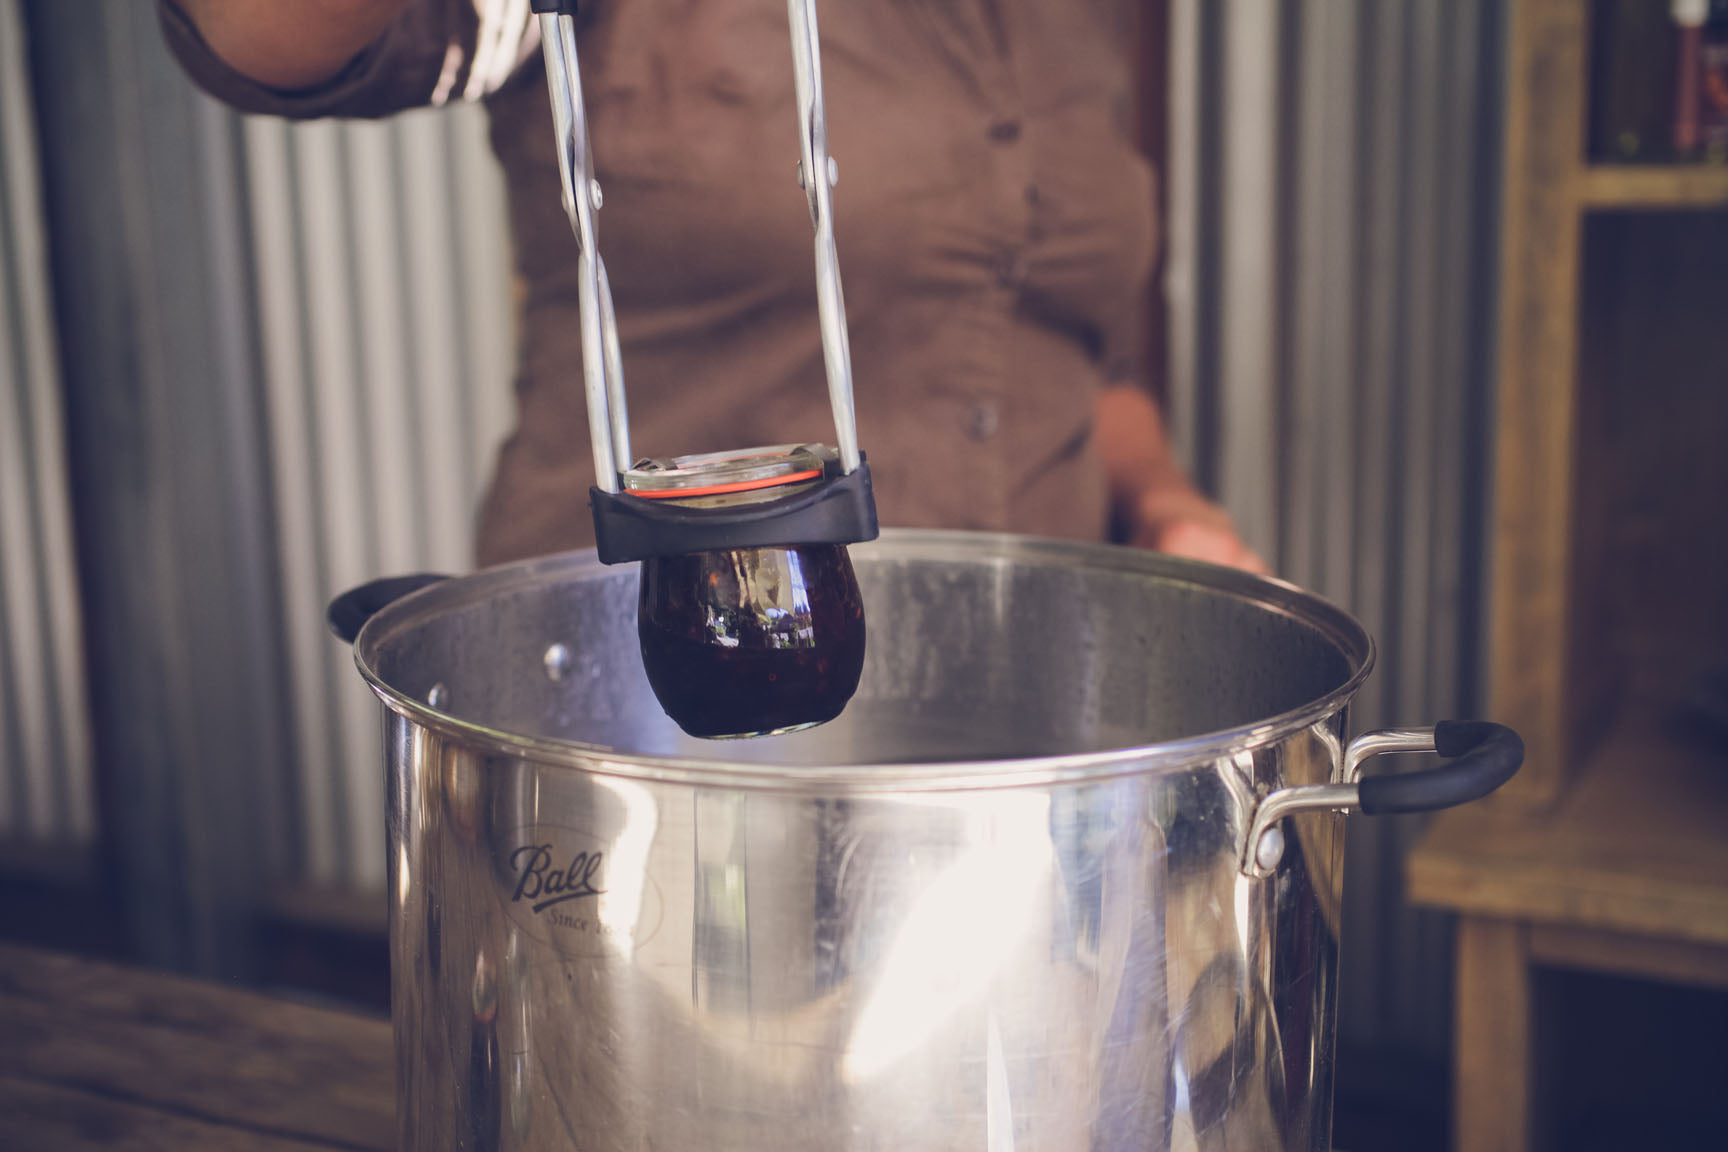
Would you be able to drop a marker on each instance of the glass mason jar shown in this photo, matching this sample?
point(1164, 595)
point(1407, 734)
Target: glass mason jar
point(747, 641)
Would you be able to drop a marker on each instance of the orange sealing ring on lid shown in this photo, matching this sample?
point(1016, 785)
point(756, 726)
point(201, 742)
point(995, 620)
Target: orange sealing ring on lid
point(724, 489)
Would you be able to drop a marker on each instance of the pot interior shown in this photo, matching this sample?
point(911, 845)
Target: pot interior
point(980, 647)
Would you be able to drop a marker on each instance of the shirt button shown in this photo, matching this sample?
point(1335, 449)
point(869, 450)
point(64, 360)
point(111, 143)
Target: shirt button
point(983, 421)
point(1008, 270)
point(1032, 195)
point(1005, 131)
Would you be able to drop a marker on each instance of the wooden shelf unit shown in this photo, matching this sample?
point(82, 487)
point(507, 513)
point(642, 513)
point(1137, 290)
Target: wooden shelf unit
point(1609, 853)
point(1638, 847)
point(1634, 187)
point(1549, 187)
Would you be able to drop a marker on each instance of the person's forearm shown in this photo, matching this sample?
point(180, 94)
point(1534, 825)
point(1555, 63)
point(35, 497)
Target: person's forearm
point(1151, 495)
point(290, 44)
point(1133, 444)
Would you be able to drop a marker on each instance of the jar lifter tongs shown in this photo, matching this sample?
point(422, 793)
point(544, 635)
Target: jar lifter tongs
point(835, 508)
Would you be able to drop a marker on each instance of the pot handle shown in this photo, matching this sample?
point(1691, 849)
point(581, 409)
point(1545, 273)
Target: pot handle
point(349, 612)
point(1482, 756)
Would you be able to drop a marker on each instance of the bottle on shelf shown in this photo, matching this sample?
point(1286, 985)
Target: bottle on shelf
point(1712, 92)
point(1700, 80)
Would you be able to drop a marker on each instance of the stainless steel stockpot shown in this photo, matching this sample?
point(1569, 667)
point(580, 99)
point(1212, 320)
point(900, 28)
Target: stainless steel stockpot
point(1064, 876)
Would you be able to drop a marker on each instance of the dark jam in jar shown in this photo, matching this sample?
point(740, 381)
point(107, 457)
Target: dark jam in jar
point(754, 641)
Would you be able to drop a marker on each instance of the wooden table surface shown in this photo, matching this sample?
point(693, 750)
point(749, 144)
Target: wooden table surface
point(98, 1056)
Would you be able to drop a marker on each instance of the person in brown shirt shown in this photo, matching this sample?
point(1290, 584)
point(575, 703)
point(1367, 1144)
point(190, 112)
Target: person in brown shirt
point(994, 225)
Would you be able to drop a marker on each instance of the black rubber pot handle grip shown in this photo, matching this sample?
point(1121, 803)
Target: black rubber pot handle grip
point(349, 612)
point(1482, 756)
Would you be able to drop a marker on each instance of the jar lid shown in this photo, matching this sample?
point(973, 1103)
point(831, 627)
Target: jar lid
point(726, 473)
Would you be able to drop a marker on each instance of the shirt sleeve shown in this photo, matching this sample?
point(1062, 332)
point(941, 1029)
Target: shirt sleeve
point(438, 50)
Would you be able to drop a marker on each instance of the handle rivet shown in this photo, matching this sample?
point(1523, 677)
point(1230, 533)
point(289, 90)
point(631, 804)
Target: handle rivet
point(1270, 850)
point(439, 696)
point(557, 661)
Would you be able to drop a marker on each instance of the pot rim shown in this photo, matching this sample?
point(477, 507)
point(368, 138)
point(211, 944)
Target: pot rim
point(1269, 593)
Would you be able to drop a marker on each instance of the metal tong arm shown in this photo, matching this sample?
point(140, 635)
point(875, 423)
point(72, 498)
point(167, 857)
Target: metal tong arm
point(817, 174)
point(602, 362)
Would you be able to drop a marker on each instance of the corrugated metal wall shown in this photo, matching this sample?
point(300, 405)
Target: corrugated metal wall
point(1330, 282)
point(45, 759)
point(285, 366)
point(384, 299)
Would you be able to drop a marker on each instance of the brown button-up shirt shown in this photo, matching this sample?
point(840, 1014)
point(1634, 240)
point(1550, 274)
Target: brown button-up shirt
point(994, 226)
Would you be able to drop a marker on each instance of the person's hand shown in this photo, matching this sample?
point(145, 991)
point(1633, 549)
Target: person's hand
point(1178, 520)
point(1151, 494)
point(290, 45)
